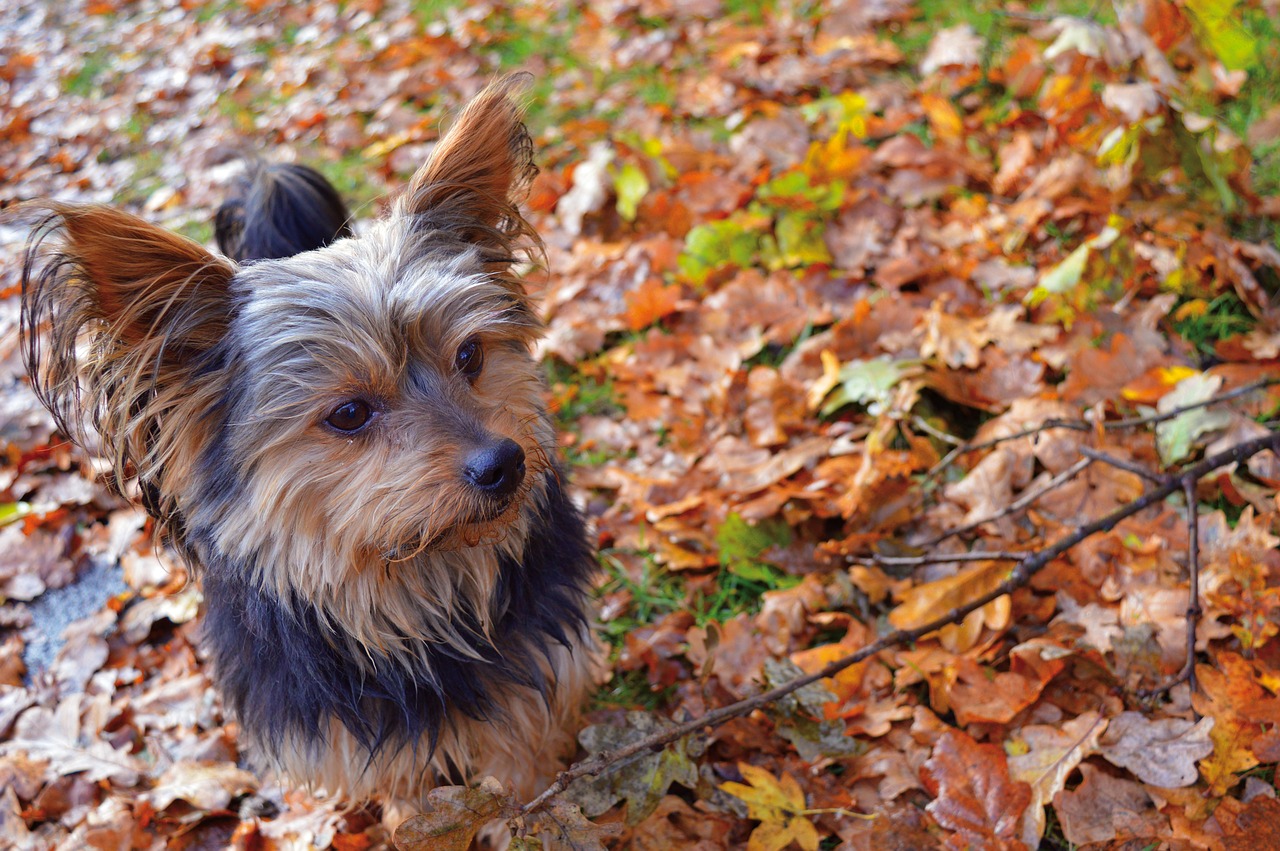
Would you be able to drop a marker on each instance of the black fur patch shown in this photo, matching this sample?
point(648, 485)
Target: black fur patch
point(278, 211)
point(284, 671)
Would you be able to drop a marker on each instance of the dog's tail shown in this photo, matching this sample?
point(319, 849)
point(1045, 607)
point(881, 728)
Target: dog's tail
point(277, 211)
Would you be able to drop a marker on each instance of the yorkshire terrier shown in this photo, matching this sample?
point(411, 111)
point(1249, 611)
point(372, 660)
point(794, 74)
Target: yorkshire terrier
point(350, 447)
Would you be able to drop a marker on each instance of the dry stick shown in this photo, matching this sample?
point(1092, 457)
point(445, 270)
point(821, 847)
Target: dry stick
point(1082, 425)
point(1018, 577)
point(1015, 506)
point(1124, 464)
point(1188, 672)
point(938, 558)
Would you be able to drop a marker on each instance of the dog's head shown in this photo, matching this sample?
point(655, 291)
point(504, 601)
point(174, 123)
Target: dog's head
point(336, 411)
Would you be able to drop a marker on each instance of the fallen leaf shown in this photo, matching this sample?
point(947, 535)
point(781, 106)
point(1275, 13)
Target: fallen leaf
point(1053, 752)
point(779, 806)
point(973, 792)
point(1162, 752)
point(452, 816)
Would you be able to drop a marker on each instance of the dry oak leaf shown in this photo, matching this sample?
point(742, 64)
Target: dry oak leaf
point(452, 817)
point(1105, 808)
point(1239, 706)
point(1052, 753)
point(974, 795)
point(932, 600)
point(561, 824)
point(979, 696)
point(1161, 752)
point(1257, 828)
point(778, 804)
point(57, 736)
point(205, 785)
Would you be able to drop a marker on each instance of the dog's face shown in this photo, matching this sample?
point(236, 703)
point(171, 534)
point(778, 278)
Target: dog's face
point(344, 410)
point(383, 403)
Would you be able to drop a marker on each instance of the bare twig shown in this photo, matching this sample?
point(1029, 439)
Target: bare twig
point(1124, 464)
point(923, 424)
point(1083, 425)
point(1018, 504)
point(1226, 396)
point(1018, 578)
point(936, 558)
point(1188, 672)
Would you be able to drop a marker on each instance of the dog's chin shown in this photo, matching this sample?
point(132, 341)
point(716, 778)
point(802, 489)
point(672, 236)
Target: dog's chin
point(486, 527)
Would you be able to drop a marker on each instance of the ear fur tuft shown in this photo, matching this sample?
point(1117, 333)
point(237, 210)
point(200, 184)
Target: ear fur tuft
point(471, 183)
point(118, 320)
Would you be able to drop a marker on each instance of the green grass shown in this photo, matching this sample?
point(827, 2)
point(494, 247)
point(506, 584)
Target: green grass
point(631, 690)
point(1225, 317)
point(592, 397)
point(198, 229)
point(87, 81)
point(145, 180)
point(347, 175)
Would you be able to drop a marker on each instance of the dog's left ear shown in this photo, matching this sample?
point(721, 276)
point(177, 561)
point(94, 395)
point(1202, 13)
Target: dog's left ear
point(472, 182)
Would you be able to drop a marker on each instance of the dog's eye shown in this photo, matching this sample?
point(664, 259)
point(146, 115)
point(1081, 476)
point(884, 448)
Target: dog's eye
point(350, 417)
point(469, 359)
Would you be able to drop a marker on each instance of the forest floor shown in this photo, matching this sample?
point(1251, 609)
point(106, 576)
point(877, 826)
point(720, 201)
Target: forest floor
point(810, 270)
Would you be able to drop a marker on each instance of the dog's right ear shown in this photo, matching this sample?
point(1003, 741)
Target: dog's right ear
point(471, 184)
point(118, 317)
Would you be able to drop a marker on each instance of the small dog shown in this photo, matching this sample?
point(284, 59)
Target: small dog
point(276, 211)
point(351, 448)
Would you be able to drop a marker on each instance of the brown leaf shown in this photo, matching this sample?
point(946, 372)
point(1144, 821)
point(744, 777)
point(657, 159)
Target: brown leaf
point(1052, 754)
point(205, 785)
point(1105, 808)
point(452, 817)
point(973, 793)
point(1257, 828)
point(56, 735)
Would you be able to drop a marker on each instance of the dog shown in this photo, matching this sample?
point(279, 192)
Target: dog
point(351, 449)
point(276, 211)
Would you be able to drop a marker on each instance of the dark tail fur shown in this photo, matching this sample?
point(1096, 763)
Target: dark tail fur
point(277, 211)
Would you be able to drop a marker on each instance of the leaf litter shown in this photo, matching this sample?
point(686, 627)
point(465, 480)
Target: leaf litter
point(803, 263)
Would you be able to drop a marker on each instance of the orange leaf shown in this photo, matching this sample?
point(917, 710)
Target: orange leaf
point(650, 302)
point(943, 118)
point(973, 794)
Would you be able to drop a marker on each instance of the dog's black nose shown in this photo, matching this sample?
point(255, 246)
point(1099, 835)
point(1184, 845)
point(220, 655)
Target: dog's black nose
point(496, 469)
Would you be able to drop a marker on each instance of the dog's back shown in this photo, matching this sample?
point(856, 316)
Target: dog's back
point(277, 211)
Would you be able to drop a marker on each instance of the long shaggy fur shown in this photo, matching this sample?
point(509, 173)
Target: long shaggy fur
point(376, 621)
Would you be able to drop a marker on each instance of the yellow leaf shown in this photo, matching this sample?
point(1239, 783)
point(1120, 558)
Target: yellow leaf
point(385, 146)
point(827, 382)
point(1193, 309)
point(778, 804)
point(933, 600)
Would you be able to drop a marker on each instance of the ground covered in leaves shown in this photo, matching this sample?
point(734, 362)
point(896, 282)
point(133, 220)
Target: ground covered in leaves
point(798, 254)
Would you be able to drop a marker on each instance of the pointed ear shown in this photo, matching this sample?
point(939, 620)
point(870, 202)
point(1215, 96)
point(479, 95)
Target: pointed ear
point(139, 280)
point(471, 183)
point(117, 317)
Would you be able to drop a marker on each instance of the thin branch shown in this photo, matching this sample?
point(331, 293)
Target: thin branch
point(1018, 578)
point(1123, 464)
point(1188, 672)
point(937, 558)
point(1017, 505)
point(923, 424)
point(1084, 425)
point(1242, 390)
